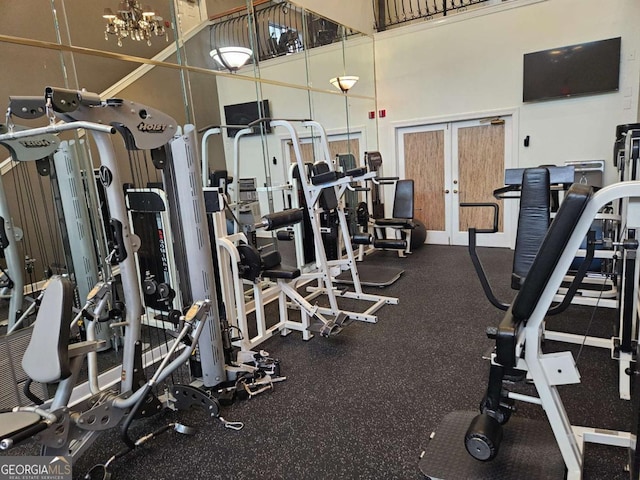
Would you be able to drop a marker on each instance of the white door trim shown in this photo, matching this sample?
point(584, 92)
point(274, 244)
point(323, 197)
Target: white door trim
point(511, 117)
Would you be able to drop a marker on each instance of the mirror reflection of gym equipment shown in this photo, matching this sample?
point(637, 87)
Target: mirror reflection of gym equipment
point(332, 274)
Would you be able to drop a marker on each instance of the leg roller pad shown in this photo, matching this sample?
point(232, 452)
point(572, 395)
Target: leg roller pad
point(483, 437)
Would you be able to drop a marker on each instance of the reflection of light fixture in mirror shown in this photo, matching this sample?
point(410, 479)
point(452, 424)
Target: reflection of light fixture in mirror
point(134, 22)
point(231, 58)
point(344, 83)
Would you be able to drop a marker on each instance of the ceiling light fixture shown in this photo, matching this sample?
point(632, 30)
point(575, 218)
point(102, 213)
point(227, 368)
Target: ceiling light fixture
point(134, 22)
point(344, 83)
point(231, 58)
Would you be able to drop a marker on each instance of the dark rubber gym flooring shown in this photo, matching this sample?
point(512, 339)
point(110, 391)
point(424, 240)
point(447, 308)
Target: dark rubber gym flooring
point(363, 404)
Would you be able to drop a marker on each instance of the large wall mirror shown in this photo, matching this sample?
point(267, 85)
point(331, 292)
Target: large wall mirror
point(293, 54)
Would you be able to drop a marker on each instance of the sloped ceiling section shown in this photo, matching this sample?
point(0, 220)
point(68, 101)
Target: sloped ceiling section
point(80, 24)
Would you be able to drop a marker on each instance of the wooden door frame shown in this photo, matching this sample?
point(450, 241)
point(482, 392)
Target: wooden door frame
point(510, 160)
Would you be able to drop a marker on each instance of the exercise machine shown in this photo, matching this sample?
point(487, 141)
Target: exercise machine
point(604, 282)
point(323, 187)
point(70, 422)
point(519, 354)
point(361, 238)
point(331, 185)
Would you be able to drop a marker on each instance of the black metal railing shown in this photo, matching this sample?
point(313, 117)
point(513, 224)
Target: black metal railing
point(389, 13)
point(275, 29)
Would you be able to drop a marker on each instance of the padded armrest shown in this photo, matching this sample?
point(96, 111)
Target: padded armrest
point(356, 172)
point(326, 177)
point(395, 222)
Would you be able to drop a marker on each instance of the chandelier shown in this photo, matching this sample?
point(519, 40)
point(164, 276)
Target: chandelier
point(134, 22)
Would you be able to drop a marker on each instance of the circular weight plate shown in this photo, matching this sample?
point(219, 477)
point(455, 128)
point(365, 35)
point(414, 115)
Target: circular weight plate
point(251, 261)
point(164, 290)
point(149, 287)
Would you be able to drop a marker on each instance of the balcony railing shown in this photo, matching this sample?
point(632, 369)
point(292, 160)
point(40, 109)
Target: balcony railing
point(390, 13)
point(275, 29)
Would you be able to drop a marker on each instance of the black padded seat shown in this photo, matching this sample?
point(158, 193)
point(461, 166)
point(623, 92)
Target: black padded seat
point(395, 222)
point(402, 215)
point(271, 267)
point(541, 270)
point(284, 272)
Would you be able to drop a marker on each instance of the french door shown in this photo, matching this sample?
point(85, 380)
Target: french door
point(452, 164)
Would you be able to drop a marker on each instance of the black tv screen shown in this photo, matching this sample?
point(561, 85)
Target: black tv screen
point(245, 113)
point(582, 69)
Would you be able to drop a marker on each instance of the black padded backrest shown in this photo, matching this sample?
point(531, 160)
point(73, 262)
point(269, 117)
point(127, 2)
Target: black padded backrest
point(403, 199)
point(533, 221)
point(328, 199)
point(347, 161)
point(550, 251)
point(373, 160)
point(46, 358)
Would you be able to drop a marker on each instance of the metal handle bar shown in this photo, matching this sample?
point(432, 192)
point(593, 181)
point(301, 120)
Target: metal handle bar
point(96, 127)
point(269, 119)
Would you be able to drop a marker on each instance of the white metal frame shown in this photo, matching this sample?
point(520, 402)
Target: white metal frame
point(233, 292)
point(326, 270)
point(628, 218)
point(548, 371)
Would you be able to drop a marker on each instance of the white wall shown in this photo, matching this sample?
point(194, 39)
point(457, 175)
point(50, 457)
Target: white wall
point(463, 67)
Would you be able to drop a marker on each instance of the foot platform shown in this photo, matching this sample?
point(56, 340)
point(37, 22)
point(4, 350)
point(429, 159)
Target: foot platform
point(528, 449)
point(327, 328)
point(371, 275)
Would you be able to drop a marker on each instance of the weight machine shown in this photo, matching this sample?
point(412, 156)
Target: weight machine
point(606, 289)
point(239, 262)
point(100, 404)
point(323, 189)
point(519, 351)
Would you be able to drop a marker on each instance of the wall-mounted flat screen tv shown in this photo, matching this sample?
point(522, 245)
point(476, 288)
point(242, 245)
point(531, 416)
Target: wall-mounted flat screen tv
point(245, 113)
point(582, 69)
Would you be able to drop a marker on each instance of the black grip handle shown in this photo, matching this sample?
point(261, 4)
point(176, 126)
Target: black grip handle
point(22, 435)
point(120, 251)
